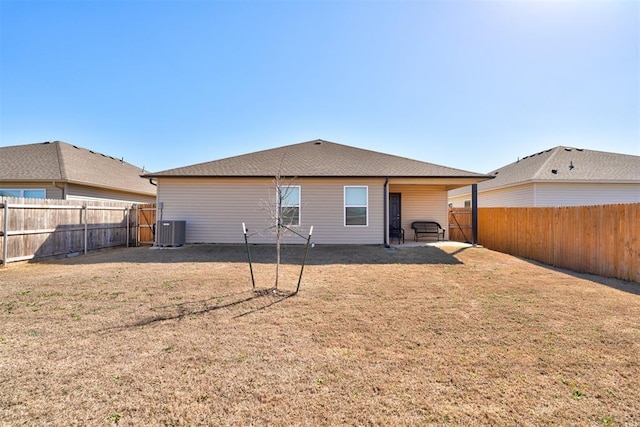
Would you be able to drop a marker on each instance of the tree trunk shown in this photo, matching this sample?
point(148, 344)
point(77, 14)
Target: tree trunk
point(277, 255)
point(278, 229)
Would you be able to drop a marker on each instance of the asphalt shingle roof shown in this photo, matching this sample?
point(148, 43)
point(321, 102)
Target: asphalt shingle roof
point(565, 164)
point(63, 162)
point(316, 158)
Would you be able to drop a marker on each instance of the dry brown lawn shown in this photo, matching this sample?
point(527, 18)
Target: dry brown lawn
point(417, 336)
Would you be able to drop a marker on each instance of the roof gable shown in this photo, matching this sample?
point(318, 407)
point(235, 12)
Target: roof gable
point(62, 162)
point(316, 158)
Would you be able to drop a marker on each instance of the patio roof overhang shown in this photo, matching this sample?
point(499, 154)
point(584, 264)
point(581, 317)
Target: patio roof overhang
point(450, 183)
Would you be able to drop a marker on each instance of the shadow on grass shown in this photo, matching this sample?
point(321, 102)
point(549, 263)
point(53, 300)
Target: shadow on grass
point(620, 285)
point(264, 298)
point(261, 254)
point(284, 296)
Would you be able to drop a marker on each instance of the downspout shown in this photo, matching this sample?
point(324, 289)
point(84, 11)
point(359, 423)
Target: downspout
point(386, 212)
point(64, 192)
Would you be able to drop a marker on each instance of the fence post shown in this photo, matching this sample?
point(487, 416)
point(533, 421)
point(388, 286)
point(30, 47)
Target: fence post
point(5, 233)
point(126, 218)
point(86, 227)
point(137, 225)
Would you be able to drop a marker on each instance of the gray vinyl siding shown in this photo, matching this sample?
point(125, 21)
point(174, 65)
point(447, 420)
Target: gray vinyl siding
point(458, 200)
point(516, 196)
point(543, 194)
point(323, 207)
point(54, 193)
point(421, 202)
point(571, 194)
point(215, 208)
point(80, 192)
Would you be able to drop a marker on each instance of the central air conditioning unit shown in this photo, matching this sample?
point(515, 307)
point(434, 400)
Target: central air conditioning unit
point(171, 233)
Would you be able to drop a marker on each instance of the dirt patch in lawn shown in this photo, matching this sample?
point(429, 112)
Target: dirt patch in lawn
point(411, 336)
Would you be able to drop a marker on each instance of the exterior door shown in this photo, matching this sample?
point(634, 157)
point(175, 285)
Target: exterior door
point(395, 213)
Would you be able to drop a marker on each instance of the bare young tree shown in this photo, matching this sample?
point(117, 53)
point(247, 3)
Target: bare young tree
point(284, 212)
point(283, 209)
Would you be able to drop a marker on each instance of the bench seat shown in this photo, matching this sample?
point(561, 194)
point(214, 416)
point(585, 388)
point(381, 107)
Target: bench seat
point(427, 228)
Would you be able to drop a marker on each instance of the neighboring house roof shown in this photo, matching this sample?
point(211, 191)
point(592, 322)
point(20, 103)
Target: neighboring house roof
point(317, 158)
point(564, 164)
point(66, 163)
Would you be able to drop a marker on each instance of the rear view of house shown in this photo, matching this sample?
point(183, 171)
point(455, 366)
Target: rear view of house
point(349, 195)
point(57, 170)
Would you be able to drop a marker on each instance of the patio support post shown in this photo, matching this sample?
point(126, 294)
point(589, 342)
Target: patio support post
point(386, 212)
point(474, 214)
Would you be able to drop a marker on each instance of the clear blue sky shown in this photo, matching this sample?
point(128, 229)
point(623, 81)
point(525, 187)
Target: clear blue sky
point(467, 84)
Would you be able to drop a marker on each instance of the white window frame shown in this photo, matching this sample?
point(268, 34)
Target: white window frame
point(366, 206)
point(22, 190)
point(299, 205)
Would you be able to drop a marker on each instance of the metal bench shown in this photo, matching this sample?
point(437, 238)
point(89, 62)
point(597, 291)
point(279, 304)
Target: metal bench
point(428, 228)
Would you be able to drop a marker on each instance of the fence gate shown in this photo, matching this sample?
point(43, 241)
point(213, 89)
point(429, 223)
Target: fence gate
point(460, 227)
point(146, 223)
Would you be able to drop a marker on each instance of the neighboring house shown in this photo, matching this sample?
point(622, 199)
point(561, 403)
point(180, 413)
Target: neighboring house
point(560, 176)
point(57, 170)
point(347, 194)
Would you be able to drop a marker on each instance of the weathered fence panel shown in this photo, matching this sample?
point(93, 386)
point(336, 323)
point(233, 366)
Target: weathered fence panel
point(35, 228)
point(602, 240)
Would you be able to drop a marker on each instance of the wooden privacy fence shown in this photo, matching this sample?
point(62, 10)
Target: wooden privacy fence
point(35, 228)
point(602, 240)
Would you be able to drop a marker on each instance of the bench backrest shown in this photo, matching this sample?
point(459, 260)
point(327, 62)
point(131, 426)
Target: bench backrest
point(425, 226)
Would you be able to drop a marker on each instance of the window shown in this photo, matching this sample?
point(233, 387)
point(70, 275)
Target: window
point(467, 203)
point(356, 202)
point(35, 194)
point(29, 193)
point(11, 193)
point(290, 205)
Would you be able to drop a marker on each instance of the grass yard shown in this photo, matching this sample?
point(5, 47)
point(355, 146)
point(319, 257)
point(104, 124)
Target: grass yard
point(416, 336)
